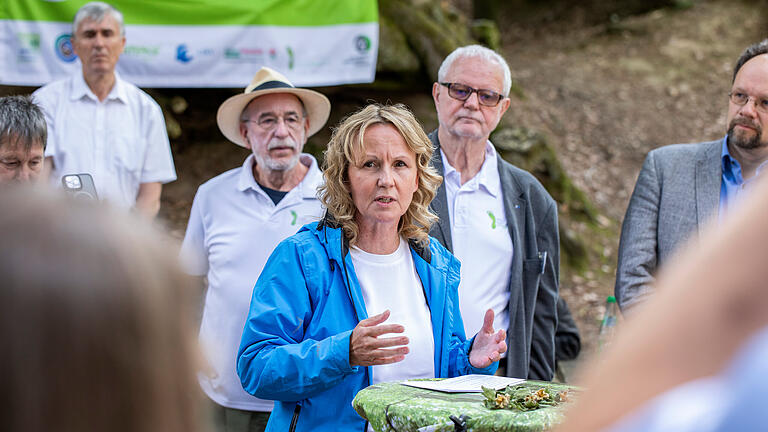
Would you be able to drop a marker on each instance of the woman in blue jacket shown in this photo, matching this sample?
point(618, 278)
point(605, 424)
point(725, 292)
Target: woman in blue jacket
point(363, 296)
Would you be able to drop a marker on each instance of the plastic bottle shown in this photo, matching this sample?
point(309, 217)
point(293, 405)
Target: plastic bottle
point(608, 325)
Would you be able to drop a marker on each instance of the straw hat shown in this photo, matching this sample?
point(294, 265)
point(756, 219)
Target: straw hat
point(268, 81)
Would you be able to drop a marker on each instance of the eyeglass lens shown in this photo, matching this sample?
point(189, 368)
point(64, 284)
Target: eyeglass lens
point(269, 122)
point(463, 92)
point(740, 98)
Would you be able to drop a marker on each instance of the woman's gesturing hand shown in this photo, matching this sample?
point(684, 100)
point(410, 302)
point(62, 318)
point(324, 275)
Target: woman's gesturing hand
point(367, 348)
point(488, 346)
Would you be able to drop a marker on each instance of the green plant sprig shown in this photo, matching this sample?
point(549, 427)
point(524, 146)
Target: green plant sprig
point(522, 398)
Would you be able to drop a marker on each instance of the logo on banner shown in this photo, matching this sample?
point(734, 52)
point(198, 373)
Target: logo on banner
point(290, 57)
point(63, 48)
point(185, 54)
point(362, 43)
point(142, 51)
point(29, 47)
point(362, 57)
point(182, 54)
point(254, 55)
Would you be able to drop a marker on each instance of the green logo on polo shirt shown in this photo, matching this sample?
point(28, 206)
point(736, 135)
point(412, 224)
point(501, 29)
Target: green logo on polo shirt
point(493, 219)
point(295, 216)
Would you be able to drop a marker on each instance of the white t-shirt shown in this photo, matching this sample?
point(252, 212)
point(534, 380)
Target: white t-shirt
point(481, 242)
point(391, 282)
point(233, 228)
point(121, 142)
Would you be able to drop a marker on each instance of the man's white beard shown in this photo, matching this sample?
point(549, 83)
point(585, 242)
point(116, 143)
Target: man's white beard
point(278, 165)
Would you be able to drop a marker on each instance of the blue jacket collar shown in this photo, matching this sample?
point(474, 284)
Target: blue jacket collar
point(330, 233)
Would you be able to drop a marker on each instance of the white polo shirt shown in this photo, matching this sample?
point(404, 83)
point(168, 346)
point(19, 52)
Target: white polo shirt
point(121, 142)
point(233, 228)
point(481, 242)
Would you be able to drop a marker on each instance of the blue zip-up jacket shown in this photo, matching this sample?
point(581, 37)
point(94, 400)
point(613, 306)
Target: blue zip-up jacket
point(307, 301)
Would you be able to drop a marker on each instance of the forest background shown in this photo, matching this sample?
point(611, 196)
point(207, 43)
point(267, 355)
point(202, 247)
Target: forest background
point(596, 85)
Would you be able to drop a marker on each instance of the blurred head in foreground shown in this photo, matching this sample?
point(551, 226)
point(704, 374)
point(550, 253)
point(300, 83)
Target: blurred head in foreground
point(94, 321)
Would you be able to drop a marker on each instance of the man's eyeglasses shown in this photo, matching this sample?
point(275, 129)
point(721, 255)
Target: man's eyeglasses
point(463, 92)
point(741, 98)
point(270, 122)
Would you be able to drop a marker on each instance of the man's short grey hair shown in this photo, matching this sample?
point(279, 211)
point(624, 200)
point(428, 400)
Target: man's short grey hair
point(22, 122)
point(96, 11)
point(482, 52)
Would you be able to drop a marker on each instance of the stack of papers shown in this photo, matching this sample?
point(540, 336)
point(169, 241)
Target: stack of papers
point(466, 383)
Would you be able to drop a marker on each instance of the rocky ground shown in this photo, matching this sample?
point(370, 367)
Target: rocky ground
point(603, 95)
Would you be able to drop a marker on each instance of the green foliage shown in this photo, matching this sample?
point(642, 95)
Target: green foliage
point(522, 398)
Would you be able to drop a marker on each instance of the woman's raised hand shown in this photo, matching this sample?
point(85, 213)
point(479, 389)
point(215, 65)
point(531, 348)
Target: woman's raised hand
point(368, 348)
point(488, 346)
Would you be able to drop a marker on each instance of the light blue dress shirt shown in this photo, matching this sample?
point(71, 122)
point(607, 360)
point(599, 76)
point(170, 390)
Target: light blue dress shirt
point(733, 184)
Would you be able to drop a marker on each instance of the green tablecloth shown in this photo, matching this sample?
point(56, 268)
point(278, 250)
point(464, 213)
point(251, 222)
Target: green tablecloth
point(397, 407)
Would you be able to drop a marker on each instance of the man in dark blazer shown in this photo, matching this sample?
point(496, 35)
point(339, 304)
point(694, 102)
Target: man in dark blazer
point(683, 187)
point(496, 218)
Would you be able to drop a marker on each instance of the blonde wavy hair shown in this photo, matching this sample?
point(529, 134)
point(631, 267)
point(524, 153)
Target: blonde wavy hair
point(347, 146)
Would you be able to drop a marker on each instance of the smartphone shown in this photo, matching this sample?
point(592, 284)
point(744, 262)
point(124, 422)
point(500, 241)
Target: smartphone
point(80, 186)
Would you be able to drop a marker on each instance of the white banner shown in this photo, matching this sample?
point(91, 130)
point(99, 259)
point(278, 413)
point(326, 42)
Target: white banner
point(200, 43)
point(199, 56)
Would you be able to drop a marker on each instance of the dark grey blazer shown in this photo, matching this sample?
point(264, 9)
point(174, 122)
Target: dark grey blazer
point(533, 286)
point(676, 194)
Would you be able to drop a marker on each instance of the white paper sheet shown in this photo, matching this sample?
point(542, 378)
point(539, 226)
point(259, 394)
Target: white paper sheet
point(466, 383)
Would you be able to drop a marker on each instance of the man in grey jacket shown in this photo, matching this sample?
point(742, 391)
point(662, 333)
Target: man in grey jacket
point(496, 218)
point(683, 187)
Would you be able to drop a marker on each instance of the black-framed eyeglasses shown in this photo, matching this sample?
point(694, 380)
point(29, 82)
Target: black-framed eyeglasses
point(741, 99)
point(462, 92)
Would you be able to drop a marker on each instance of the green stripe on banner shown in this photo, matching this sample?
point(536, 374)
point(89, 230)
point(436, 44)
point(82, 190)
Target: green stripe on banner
point(306, 13)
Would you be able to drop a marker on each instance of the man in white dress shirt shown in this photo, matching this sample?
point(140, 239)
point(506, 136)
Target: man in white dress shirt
point(104, 126)
point(240, 216)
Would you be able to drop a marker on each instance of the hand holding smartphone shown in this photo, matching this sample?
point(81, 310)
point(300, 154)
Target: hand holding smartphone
point(80, 186)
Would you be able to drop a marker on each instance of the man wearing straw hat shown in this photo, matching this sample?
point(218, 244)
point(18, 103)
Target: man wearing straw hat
point(238, 218)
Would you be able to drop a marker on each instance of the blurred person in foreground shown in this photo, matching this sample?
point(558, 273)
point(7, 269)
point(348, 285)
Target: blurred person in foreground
point(682, 187)
point(365, 295)
point(238, 218)
point(95, 322)
point(497, 219)
point(695, 357)
point(102, 125)
point(22, 139)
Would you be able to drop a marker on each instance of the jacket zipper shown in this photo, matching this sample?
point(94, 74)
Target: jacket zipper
point(349, 291)
point(295, 418)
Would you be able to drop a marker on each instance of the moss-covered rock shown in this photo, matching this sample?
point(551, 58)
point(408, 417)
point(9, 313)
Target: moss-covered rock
point(395, 55)
point(487, 33)
point(529, 150)
point(433, 29)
